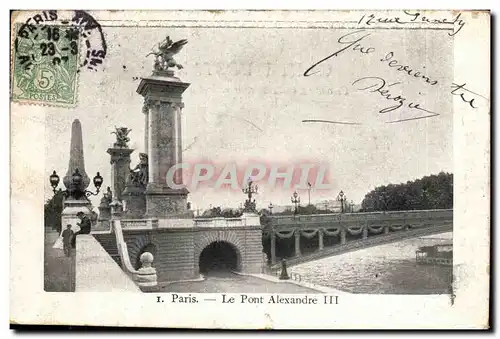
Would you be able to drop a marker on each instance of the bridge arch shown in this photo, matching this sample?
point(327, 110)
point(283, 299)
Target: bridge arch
point(219, 251)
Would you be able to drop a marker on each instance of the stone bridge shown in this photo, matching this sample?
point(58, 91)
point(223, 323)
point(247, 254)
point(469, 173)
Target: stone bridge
point(185, 248)
point(306, 238)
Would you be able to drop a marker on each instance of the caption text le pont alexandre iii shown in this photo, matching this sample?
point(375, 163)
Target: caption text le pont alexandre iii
point(176, 298)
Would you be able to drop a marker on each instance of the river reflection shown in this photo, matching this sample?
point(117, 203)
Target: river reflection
point(386, 269)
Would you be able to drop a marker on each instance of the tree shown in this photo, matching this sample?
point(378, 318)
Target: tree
point(53, 210)
point(430, 192)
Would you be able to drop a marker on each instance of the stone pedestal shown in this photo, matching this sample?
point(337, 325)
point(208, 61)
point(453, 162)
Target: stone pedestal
point(134, 201)
point(70, 208)
point(120, 169)
point(162, 94)
point(104, 211)
point(116, 209)
point(162, 201)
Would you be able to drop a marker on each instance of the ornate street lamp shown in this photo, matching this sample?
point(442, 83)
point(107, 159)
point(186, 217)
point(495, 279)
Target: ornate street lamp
point(75, 190)
point(296, 200)
point(341, 197)
point(250, 190)
point(270, 207)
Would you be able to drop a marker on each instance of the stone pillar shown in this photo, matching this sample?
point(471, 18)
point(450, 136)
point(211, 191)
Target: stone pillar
point(365, 232)
point(320, 239)
point(273, 247)
point(386, 229)
point(120, 169)
point(145, 110)
point(342, 236)
point(162, 93)
point(178, 142)
point(297, 243)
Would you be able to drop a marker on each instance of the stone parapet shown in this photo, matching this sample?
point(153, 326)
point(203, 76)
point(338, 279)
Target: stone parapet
point(96, 271)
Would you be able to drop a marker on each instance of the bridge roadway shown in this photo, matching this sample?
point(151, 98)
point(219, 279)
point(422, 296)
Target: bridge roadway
point(227, 282)
point(353, 230)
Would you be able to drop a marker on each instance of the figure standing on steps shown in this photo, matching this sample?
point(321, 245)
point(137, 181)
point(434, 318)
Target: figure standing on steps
point(67, 236)
point(139, 175)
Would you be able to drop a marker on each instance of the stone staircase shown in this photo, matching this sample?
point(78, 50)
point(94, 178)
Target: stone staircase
point(108, 242)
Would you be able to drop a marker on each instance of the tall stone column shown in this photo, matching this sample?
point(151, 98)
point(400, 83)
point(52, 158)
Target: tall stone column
point(145, 110)
point(273, 247)
point(120, 168)
point(178, 141)
point(297, 243)
point(320, 239)
point(162, 93)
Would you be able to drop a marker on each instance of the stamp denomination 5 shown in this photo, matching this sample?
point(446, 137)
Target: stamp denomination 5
point(45, 64)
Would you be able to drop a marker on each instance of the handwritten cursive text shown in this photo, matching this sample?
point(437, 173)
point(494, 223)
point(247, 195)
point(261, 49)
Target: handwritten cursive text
point(413, 17)
point(350, 40)
point(380, 86)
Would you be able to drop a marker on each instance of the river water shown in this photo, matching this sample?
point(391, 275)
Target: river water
point(385, 269)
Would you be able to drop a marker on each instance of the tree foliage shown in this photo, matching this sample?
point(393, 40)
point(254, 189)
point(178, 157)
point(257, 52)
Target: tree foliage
point(216, 212)
point(430, 192)
point(52, 211)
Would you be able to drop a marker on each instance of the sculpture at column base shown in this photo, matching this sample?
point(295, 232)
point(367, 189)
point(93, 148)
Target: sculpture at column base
point(163, 201)
point(134, 201)
point(104, 207)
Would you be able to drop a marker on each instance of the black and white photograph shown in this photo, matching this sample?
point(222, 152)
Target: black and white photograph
point(302, 159)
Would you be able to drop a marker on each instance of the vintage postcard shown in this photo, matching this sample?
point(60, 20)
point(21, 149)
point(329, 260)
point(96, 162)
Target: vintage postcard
point(250, 169)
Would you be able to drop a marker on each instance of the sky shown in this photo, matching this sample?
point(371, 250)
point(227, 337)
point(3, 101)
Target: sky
point(248, 97)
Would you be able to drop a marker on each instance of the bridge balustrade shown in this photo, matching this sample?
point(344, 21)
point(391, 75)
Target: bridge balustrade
point(363, 225)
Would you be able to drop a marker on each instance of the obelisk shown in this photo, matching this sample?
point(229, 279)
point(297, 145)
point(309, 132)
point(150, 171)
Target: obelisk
point(72, 205)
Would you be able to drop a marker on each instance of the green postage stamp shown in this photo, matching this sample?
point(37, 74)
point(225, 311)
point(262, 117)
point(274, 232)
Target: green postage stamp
point(45, 64)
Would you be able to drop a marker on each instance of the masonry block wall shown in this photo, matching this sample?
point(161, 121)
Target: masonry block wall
point(253, 257)
point(175, 258)
point(177, 250)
